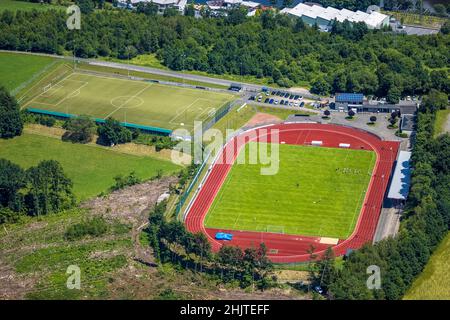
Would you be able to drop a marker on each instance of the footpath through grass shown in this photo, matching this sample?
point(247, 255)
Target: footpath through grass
point(91, 168)
point(434, 282)
point(316, 192)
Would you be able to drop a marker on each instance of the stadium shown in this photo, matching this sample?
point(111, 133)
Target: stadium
point(331, 196)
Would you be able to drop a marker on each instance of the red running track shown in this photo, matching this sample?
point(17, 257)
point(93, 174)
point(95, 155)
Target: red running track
point(294, 248)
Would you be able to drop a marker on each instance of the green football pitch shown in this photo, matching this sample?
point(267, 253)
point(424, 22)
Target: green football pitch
point(317, 192)
point(130, 101)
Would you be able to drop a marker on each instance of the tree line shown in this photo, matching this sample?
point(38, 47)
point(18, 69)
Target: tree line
point(171, 242)
point(276, 47)
point(425, 222)
point(38, 190)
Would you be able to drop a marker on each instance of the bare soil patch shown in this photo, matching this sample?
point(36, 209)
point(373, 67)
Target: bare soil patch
point(261, 119)
point(127, 205)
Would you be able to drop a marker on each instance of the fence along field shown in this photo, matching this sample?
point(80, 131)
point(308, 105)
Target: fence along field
point(129, 101)
point(317, 192)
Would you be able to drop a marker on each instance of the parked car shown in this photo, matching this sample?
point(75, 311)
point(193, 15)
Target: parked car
point(286, 95)
point(266, 100)
point(259, 99)
point(282, 102)
point(270, 101)
point(251, 98)
point(296, 97)
point(276, 101)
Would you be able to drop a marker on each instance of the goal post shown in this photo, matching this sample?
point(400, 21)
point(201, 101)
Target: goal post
point(47, 87)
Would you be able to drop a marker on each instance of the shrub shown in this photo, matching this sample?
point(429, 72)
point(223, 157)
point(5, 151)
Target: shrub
point(122, 182)
point(94, 227)
point(79, 129)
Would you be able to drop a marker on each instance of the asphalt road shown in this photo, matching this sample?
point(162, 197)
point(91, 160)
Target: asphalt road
point(162, 72)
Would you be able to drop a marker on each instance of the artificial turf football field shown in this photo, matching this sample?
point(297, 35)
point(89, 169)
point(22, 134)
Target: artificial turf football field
point(130, 101)
point(317, 192)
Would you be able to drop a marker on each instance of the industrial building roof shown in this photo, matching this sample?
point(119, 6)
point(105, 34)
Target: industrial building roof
point(373, 19)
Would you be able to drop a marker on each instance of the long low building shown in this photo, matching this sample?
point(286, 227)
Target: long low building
point(356, 101)
point(324, 17)
point(162, 4)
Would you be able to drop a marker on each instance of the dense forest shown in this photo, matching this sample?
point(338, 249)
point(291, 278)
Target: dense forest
point(277, 47)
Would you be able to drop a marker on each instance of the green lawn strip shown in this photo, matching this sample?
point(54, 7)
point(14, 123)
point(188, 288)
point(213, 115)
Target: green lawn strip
point(283, 113)
point(27, 6)
point(17, 69)
point(91, 168)
point(235, 119)
point(442, 116)
point(310, 195)
point(145, 75)
point(434, 281)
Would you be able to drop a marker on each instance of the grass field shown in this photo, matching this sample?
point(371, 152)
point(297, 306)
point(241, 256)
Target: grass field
point(316, 192)
point(434, 282)
point(442, 116)
point(129, 101)
point(92, 169)
point(17, 69)
point(26, 6)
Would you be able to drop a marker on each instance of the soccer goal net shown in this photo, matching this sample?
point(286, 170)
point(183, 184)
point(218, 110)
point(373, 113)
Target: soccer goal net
point(47, 87)
point(275, 229)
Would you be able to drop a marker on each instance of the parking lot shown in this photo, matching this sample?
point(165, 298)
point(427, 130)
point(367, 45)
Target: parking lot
point(279, 97)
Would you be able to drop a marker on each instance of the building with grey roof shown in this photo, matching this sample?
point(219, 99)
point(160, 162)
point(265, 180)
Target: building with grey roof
point(323, 17)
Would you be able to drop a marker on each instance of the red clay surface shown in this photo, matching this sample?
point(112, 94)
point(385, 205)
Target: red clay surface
point(284, 248)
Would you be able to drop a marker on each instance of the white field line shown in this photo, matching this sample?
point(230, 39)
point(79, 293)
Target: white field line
point(40, 95)
point(70, 94)
point(220, 194)
point(205, 113)
point(364, 191)
point(37, 83)
point(50, 91)
point(184, 110)
point(126, 101)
